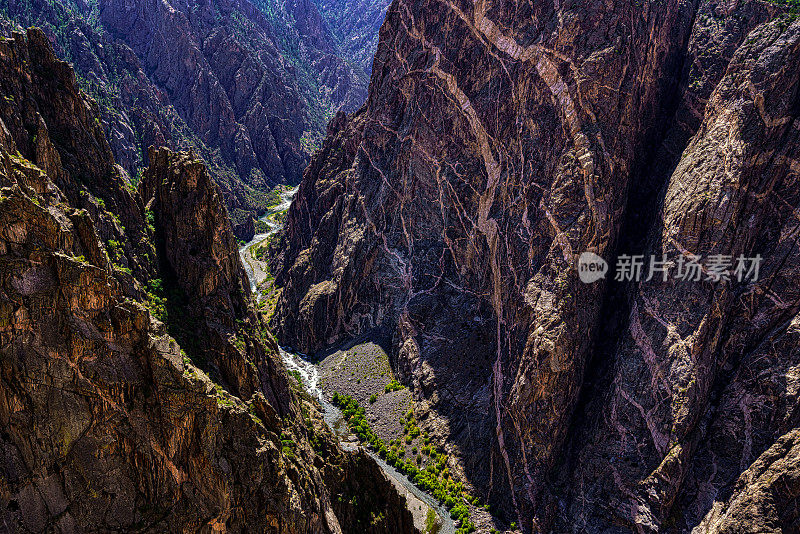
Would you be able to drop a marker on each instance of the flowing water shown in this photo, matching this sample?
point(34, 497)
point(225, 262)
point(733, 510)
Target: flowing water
point(254, 272)
point(333, 417)
point(310, 375)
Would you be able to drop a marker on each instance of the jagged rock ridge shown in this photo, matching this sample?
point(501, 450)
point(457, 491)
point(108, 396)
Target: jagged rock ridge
point(107, 422)
point(247, 85)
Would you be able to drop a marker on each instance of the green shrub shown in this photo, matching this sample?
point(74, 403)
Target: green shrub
point(287, 446)
point(156, 300)
point(430, 479)
point(394, 385)
point(430, 521)
point(151, 221)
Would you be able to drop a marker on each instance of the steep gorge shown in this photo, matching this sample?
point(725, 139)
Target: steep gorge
point(447, 215)
point(109, 423)
point(248, 86)
point(357, 25)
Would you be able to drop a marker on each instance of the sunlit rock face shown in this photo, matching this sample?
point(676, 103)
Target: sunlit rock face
point(107, 422)
point(500, 141)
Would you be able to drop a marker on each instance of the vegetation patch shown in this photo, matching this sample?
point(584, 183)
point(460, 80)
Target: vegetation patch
point(288, 446)
point(432, 526)
point(156, 300)
point(394, 385)
point(434, 478)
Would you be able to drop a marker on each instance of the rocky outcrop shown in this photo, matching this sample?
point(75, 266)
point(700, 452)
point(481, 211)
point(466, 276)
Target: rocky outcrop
point(235, 95)
point(68, 144)
point(450, 212)
point(367, 504)
point(205, 285)
point(328, 77)
point(107, 422)
point(764, 496)
point(706, 365)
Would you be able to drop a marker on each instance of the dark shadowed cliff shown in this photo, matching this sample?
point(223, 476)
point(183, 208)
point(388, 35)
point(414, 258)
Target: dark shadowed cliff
point(500, 140)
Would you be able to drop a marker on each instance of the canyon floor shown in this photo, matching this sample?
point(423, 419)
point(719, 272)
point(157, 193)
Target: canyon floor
point(362, 371)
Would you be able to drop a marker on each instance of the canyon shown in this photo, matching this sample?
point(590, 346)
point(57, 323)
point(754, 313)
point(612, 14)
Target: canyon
point(315, 266)
point(139, 388)
point(246, 86)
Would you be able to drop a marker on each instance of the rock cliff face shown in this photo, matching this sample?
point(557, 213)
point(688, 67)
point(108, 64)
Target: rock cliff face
point(107, 422)
point(205, 282)
point(248, 86)
point(499, 142)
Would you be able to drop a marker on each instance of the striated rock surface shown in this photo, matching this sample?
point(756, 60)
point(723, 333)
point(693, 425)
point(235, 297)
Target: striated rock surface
point(709, 368)
point(236, 95)
point(764, 496)
point(498, 143)
point(108, 424)
point(67, 143)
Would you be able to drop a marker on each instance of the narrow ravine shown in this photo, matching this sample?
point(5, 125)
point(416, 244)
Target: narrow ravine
point(310, 378)
point(255, 273)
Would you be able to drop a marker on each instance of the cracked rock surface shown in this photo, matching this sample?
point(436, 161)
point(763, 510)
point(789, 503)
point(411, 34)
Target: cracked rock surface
point(501, 140)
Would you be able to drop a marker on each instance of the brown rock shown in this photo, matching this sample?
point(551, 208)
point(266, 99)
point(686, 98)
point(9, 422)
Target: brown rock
point(106, 423)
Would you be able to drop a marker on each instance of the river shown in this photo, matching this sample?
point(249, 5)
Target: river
point(255, 273)
point(310, 377)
